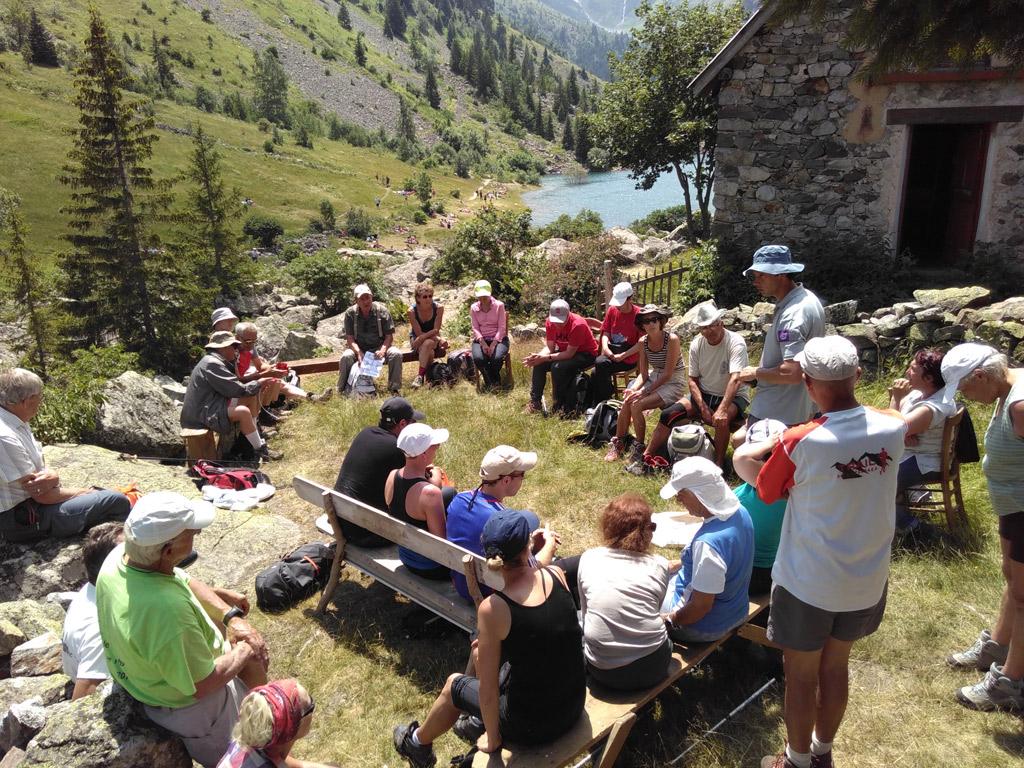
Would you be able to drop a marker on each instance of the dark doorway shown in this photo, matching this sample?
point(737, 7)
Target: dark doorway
point(945, 177)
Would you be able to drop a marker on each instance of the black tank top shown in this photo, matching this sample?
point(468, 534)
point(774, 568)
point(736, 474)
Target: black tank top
point(426, 325)
point(544, 649)
point(400, 490)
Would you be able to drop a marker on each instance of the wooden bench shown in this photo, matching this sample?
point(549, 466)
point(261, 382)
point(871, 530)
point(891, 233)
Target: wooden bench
point(331, 363)
point(383, 564)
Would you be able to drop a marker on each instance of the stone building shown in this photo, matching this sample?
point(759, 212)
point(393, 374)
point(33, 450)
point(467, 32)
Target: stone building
point(931, 162)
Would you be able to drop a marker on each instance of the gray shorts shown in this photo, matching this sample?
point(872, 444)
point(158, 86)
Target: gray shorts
point(205, 727)
point(798, 626)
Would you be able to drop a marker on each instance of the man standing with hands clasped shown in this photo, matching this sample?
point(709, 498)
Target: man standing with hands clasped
point(832, 569)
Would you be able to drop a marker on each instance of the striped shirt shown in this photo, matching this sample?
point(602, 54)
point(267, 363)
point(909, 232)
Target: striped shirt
point(1004, 456)
point(20, 455)
point(657, 360)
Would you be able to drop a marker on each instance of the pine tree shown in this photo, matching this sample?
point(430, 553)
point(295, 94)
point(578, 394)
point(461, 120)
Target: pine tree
point(394, 19)
point(431, 89)
point(115, 273)
point(537, 125)
point(572, 90)
point(40, 43)
point(583, 141)
point(271, 84)
point(360, 50)
point(549, 127)
point(406, 126)
point(212, 210)
point(162, 67)
point(23, 280)
point(343, 16)
point(568, 141)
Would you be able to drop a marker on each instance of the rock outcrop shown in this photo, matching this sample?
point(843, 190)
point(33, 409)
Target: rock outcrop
point(138, 417)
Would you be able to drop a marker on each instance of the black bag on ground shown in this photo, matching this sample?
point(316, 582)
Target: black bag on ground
point(461, 363)
point(299, 575)
point(578, 396)
point(602, 422)
point(440, 374)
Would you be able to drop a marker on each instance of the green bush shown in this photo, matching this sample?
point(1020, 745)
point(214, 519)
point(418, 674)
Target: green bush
point(586, 223)
point(577, 276)
point(419, 217)
point(330, 278)
point(701, 281)
point(358, 223)
point(74, 392)
point(664, 219)
point(263, 230)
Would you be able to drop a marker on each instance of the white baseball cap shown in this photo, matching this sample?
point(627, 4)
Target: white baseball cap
point(764, 429)
point(158, 517)
point(959, 362)
point(620, 293)
point(416, 438)
point(829, 358)
point(481, 288)
point(220, 314)
point(559, 311)
point(704, 479)
point(505, 460)
point(361, 290)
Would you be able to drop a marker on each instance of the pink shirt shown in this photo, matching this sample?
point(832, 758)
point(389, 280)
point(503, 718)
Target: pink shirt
point(488, 325)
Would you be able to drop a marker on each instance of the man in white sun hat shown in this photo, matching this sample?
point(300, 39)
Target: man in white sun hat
point(708, 597)
point(831, 571)
point(223, 319)
point(413, 499)
point(619, 334)
point(163, 630)
point(369, 329)
point(798, 317)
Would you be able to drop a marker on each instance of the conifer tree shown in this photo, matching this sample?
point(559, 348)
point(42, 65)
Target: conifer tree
point(212, 211)
point(538, 118)
point(431, 89)
point(549, 127)
point(394, 19)
point(406, 126)
point(271, 84)
point(572, 89)
point(343, 16)
point(114, 272)
point(360, 50)
point(40, 43)
point(583, 140)
point(162, 66)
point(568, 141)
point(23, 280)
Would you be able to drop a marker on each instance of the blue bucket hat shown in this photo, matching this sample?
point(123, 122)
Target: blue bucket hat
point(773, 260)
point(506, 533)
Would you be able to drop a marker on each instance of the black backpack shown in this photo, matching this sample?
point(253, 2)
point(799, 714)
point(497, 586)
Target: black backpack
point(461, 363)
point(299, 575)
point(602, 422)
point(440, 374)
point(579, 395)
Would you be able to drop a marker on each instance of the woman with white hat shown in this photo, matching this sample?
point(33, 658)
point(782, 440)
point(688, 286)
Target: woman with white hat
point(983, 374)
point(618, 335)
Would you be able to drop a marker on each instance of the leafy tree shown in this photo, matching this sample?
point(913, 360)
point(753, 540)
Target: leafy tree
point(424, 189)
point(360, 50)
point(358, 223)
point(212, 211)
point(162, 66)
point(343, 16)
point(263, 230)
point(302, 137)
point(40, 43)
point(431, 89)
point(406, 126)
point(205, 100)
point(24, 281)
point(330, 280)
point(394, 18)
point(271, 87)
point(924, 33)
point(117, 273)
point(647, 119)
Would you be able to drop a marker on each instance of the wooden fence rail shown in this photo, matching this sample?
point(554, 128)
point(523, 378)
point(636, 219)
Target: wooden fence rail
point(654, 286)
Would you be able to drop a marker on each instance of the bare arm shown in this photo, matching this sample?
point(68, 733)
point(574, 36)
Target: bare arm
point(693, 610)
point(225, 669)
point(787, 373)
point(45, 488)
point(84, 687)
point(748, 459)
point(494, 622)
point(1017, 418)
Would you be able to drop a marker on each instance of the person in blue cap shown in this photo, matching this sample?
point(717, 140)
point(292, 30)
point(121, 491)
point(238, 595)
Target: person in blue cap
point(531, 685)
point(799, 317)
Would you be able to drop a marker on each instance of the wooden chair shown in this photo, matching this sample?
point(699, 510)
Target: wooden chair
point(952, 501)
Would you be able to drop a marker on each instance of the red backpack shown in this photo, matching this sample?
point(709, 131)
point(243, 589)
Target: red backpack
point(237, 478)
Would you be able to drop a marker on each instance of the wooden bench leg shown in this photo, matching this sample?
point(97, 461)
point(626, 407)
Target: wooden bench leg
point(339, 555)
point(616, 740)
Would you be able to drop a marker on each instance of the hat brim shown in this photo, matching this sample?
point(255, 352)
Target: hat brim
point(556, 319)
point(717, 499)
point(480, 293)
point(439, 436)
point(774, 269)
point(203, 514)
point(527, 461)
point(613, 302)
point(719, 314)
point(668, 491)
point(225, 345)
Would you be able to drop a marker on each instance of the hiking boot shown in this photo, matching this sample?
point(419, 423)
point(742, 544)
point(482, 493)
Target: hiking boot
point(614, 450)
point(417, 382)
point(266, 453)
point(658, 464)
point(982, 655)
point(268, 419)
point(995, 691)
point(323, 397)
point(637, 451)
point(821, 761)
point(535, 407)
point(777, 761)
point(469, 728)
point(418, 757)
point(639, 468)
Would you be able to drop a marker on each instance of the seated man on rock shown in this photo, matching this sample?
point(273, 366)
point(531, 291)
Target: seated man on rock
point(214, 391)
point(709, 595)
point(163, 631)
point(371, 457)
point(33, 502)
point(369, 329)
point(82, 652)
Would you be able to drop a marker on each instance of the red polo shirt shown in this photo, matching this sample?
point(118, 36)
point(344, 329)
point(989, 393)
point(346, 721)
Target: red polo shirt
point(574, 332)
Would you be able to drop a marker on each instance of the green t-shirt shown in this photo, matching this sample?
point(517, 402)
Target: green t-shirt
point(767, 520)
point(157, 638)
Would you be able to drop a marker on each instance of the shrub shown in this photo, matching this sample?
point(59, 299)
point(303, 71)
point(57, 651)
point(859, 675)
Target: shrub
point(665, 219)
point(205, 100)
point(586, 223)
point(263, 230)
point(701, 281)
point(577, 275)
point(419, 217)
point(268, 147)
point(330, 278)
point(73, 395)
point(359, 223)
point(327, 217)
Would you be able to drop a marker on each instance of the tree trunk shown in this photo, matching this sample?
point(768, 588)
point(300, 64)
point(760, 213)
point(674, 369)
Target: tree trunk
point(685, 183)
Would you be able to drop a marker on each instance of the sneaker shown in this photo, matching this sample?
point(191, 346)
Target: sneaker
point(777, 761)
point(417, 382)
point(637, 451)
point(614, 450)
point(418, 757)
point(658, 464)
point(535, 407)
point(267, 453)
point(821, 761)
point(639, 467)
point(982, 655)
point(323, 397)
point(469, 728)
point(995, 691)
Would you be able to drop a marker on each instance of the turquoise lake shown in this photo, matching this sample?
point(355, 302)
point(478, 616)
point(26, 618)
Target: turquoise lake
point(612, 194)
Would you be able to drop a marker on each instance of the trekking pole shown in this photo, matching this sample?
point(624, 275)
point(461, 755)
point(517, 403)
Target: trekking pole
point(168, 460)
point(743, 705)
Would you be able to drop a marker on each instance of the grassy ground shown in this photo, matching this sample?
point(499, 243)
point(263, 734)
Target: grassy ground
point(371, 664)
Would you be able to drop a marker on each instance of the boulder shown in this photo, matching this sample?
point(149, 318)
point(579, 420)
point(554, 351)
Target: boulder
point(10, 637)
point(954, 333)
point(173, 389)
point(278, 341)
point(300, 315)
point(138, 417)
point(34, 570)
point(921, 333)
point(20, 723)
point(630, 253)
point(841, 313)
point(954, 299)
point(39, 656)
point(1011, 309)
point(348, 253)
point(528, 331)
point(863, 335)
point(105, 730)
point(48, 689)
point(552, 248)
point(333, 326)
point(257, 300)
point(1004, 336)
point(906, 308)
point(14, 758)
point(679, 235)
point(764, 309)
point(624, 236)
point(654, 248)
point(33, 618)
point(401, 279)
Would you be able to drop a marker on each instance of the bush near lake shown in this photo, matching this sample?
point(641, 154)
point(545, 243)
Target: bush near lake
point(586, 223)
point(330, 279)
point(576, 275)
point(664, 220)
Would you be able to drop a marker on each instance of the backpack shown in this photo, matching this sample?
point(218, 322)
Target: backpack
point(689, 440)
point(441, 375)
point(579, 394)
point(213, 473)
point(461, 363)
point(295, 577)
point(601, 422)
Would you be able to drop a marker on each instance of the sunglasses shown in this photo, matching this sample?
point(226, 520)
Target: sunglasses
point(649, 320)
point(312, 706)
point(515, 474)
